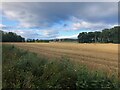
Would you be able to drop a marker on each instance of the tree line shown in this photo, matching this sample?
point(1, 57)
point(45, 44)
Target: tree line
point(37, 40)
point(105, 36)
point(11, 37)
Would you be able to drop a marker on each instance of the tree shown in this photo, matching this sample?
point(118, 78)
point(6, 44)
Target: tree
point(105, 36)
point(11, 37)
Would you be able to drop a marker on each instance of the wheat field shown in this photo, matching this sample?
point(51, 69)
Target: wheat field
point(95, 56)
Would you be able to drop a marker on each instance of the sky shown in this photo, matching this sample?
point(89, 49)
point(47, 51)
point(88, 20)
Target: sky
point(50, 20)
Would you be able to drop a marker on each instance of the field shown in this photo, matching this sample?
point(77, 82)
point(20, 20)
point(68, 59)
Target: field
point(25, 69)
point(95, 56)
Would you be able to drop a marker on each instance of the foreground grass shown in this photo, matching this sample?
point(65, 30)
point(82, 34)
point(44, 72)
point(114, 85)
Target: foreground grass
point(22, 69)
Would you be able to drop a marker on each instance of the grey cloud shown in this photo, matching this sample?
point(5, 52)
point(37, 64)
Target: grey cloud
point(60, 1)
point(32, 14)
point(44, 16)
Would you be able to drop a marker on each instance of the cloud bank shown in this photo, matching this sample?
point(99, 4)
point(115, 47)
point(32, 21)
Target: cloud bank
point(50, 18)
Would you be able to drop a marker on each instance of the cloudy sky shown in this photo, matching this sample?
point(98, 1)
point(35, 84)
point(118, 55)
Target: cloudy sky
point(57, 19)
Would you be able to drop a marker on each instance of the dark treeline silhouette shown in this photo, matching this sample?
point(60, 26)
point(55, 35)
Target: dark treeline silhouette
point(104, 36)
point(67, 40)
point(11, 37)
point(36, 40)
point(52, 40)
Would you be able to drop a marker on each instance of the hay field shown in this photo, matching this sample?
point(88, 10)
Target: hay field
point(95, 56)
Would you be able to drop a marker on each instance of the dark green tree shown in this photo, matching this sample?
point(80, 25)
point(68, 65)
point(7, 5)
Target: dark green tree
point(11, 37)
point(105, 36)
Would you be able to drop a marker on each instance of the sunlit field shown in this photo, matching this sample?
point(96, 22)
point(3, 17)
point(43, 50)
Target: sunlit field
point(95, 56)
point(59, 66)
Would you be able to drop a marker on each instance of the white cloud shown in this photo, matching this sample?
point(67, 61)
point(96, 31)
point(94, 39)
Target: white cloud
point(47, 14)
point(2, 26)
point(70, 36)
point(84, 25)
point(44, 16)
point(35, 34)
point(79, 24)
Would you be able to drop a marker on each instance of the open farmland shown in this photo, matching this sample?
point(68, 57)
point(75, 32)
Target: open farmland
point(95, 56)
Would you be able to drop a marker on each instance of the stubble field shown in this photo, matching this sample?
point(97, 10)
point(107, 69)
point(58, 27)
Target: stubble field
point(95, 56)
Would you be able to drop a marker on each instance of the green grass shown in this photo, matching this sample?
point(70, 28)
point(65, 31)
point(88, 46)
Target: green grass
point(23, 69)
